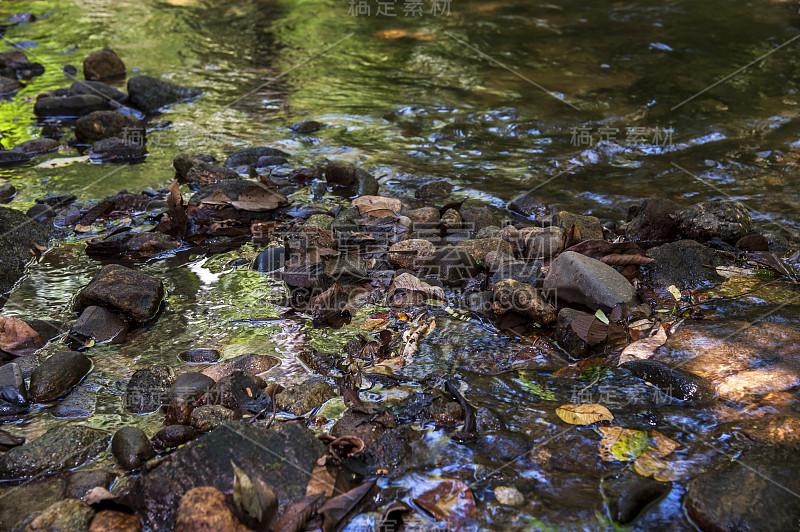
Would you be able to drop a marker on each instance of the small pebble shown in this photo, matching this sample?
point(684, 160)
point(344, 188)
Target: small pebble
point(508, 496)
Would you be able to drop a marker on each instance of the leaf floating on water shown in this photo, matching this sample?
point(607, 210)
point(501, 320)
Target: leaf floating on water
point(621, 444)
point(255, 499)
point(663, 445)
point(644, 348)
point(452, 502)
point(584, 414)
point(62, 161)
point(17, 337)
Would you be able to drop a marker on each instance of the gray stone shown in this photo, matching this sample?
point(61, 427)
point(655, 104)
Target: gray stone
point(189, 386)
point(100, 325)
point(654, 220)
point(686, 264)
point(522, 298)
point(434, 190)
point(544, 243)
point(529, 272)
point(579, 279)
point(527, 205)
point(68, 515)
point(589, 227)
point(567, 338)
point(97, 88)
point(18, 234)
point(79, 403)
point(208, 417)
point(150, 94)
point(59, 449)
point(107, 124)
point(117, 150)
point(131, 448)
point(70, 106)
point(147, 389)
point(725, 219)
point(134, 294)
point(29, 501)
point(250, 156)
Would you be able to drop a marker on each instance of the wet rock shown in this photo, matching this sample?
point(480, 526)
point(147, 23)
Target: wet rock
point(320, 221)
point(434, 190)
point(270, 259)
point(240, 392)
point(13, 392)
point(68, 515)
point(106, 124)
point(183, 162)
point(206, 174)
point(588, 226)
point(728, 220)
point(451, 221)
point(487, 420)
point(18, 234)
point(686, 264)
point(474, 218)
point(200, 356)
point(29, 501)
point(349, 180)
point(425, 216)
point(544, 243)
point(411, 254)
point(81, 481)
point(627, 494)
point(150, 94)
point(674, 383)
point(190, 386)
point(250, 156)
point(527, 205)
point(57, 375)
point(97, 88)
point(100, 325)
point(69, 106)
point(116, 150)
point(501, 446)
point(251, 363)
point(59, 449)
point(57, 199)
point(114, 521)
point(654, 219)
point(304, 397)
point(579, 279)
point(208, 417)
point(40, 213)
point(173, 436)
point(755, 492)
point(479, 248)
point(309, 126)
point(490, 231)
point(522, 298)
point(274, 456)
point(13, 158)
point(9, 85)
point(529, 272)
point(147, 389)
point(495, 260)
point(131, 448)
point(567, 338)
point(79, 403)
point(452, 265)
point(270, 160)
point(103, 64)
point(508, 496)
point(134, 294)
point(7, 192)
point(37, 146)
point(204, 509)
point(778, 431)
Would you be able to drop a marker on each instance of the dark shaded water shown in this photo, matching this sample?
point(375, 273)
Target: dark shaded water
point(458, 96)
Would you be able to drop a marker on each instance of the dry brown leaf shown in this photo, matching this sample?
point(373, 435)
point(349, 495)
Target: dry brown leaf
point(412, 290)
point(626, 260)
point(259, 199)
point(583, 414)
point(663, 445)
point(178, 221)
point(377, 206)
point(452, 502)
point(644, 348)
point(17, 337)
point(650, 465)
point(216, 199)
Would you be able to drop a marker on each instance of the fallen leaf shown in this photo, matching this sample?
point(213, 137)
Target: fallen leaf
point(17, 337)
point(178, 221)
point(663, 445)
point(373, 323)
point(589, 329)
point(650, 465)
point(452, 502)
point(97, 494)
point(216, 199)
point(407, 289)
point(322, 480)
point(377, 206)
point(621, 444)
point(676, 293)
point(600, 315)
point(335, 511)
point(259, 199)
point(294, 518)
point(625, 260)
point(644, 348)
point(252, 498)
point(62, 161)
point(583, 414)
point(83, 228)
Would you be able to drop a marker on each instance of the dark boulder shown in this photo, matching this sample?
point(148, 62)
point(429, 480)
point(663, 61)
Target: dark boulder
point(18, 235)
point(728, 220)
point(131, 448)
point(98, 324)
point(687, 264)
point(103, 64)
point(150, 94)
point(57, 375)
point(106, 124)
point(98, 88)
point(117, 150)
point(250, 156)
point(69, 106)
point(134, 294)
point(147, 389)
point(653, 220)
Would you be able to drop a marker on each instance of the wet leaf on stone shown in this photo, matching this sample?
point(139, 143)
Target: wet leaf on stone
point(650, 465)
point(644, 348)
point(583, 414)
point(17, 337)
point(615, 259)
point(621, 444)
point(407, 289)
point(451, 501)
point(336, 510)
point(178, 221)
point(253, 498)
point(589, 329)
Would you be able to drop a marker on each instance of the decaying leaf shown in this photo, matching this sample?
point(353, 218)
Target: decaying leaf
point(451, 501)
point(377, 206)
point(216, 199)
point(17, 337)
point(675, 292)
point(322, 480)
point(336, 510)
point(97, 494)
point(178, 221)
point(412, 337)
point(296, 515)
point(644, 348)
point(650, 465)
point(589, 329)
point(253, 498)
point(621, 444)
point(583, 414)
point(615, 259)
point(663, 445)
point(345, 447)
point(259, 199)
point(407, 289)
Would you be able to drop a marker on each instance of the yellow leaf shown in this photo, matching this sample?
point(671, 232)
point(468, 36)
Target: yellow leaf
point(372, 323)
point(675, 292)
point(82, 228)
point(663, 444)
point(584, 414)
point(622, 444)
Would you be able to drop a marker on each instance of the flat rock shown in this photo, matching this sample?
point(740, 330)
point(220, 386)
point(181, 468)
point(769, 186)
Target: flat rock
point(150, 94)
point(57, 375)
point(29, 501)
point(250, 156)
point(252, 363)
point(477, 217)
point(527, 205)
point(134, 294)
point(673, 383)
point(349, 180)
point(97, 88)
point(544, 243)
point(69, 106)
point(200, 356)
point(117, 150)
point(589, 227)
point(725, 219)
point(173, 436)
point(579, 279)
point(304, 397)
point(100, 325)
point(18, 234)
point(207, 174)
point(59, 449)
point(279, 457)
point(37, 146)
point(63, 516)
